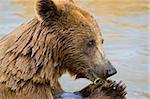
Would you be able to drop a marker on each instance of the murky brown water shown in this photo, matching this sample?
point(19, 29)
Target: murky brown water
point(124, 24)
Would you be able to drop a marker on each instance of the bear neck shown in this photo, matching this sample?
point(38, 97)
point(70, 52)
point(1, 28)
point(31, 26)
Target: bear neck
point(30, 56)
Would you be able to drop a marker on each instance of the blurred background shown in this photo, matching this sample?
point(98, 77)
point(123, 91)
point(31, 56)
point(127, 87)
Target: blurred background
point(125, 27)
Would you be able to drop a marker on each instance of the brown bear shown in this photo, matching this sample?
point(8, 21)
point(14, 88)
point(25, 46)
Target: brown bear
point(61, 38)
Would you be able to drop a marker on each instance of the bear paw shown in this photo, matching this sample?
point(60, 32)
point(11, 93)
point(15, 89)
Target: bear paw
point(114, 89)
point(109, 90)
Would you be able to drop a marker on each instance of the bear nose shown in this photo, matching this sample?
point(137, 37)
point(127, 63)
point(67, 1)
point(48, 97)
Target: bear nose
point(110, 72)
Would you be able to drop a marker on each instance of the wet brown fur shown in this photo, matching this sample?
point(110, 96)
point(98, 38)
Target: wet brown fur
point(37, 53)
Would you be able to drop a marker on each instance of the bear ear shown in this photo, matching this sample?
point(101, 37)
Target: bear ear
point(48, 10)
point(71, 1)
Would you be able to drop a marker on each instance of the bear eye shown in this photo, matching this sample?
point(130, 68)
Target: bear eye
point(102, 41)
point(91, 43)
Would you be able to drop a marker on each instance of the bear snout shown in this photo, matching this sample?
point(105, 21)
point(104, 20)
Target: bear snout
point(110, 70)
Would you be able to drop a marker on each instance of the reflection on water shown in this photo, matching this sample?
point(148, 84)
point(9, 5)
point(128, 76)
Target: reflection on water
point(124, 24)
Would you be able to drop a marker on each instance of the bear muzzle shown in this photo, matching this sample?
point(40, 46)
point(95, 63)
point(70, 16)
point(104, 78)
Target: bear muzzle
point(109, 70)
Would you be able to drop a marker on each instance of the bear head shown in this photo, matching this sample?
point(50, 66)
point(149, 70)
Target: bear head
point(77, 45)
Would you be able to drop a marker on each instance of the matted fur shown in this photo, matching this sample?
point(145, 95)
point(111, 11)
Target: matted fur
point(37, 53)
point(25, 54)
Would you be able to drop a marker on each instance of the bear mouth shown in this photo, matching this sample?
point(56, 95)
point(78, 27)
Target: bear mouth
point(92, 77)
point(79, 75)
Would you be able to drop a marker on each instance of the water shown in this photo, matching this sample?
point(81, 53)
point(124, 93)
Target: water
point(124, 24)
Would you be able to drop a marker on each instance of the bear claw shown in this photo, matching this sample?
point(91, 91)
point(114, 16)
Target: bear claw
point(110, 89)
